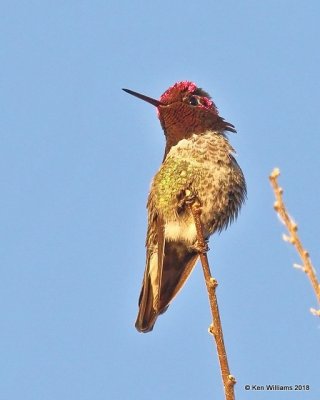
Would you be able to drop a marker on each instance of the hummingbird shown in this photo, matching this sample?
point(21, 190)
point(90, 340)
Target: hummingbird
point(199, 164)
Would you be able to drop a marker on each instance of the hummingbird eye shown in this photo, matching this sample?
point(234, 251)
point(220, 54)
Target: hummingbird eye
point(194, 101)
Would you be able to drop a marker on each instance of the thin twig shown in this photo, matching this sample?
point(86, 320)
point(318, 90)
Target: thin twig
point(293, 237)
point(215, 328)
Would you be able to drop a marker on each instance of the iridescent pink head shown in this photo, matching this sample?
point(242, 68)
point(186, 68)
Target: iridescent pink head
point(184, 110)
point(186, 91)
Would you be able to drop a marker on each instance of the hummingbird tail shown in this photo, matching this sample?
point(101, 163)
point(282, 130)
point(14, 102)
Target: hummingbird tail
point(147, 315)
point(161, 283)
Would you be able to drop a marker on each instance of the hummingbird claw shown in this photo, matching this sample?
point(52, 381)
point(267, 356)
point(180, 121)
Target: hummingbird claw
point(186, 199)
point(190, 197)
point(201, 248)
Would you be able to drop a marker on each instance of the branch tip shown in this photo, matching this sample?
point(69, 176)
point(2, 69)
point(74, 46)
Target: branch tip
point(275, 173)
point(288, 239)
point(298, 266)
point(315, 312)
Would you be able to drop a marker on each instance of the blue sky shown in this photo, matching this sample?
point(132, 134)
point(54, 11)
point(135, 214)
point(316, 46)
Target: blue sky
point(77, 155)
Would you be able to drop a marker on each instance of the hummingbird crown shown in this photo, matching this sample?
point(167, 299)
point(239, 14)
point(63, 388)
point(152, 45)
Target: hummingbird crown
point(186, 91)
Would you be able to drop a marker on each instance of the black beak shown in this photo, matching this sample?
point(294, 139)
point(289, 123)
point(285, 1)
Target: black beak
point(150, 100)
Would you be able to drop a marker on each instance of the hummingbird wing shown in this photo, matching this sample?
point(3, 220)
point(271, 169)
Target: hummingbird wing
point(168, 266)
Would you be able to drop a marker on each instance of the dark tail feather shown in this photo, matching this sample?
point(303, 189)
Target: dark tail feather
point(178, 263)
point(147, 315)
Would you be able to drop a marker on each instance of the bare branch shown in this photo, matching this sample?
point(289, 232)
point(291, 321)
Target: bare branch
point(215, 328)
point(293, 237)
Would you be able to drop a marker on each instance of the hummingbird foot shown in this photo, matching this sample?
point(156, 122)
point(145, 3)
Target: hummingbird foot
point(189, 197)
point(201, 248)
point(185, 199)
point(192, 201)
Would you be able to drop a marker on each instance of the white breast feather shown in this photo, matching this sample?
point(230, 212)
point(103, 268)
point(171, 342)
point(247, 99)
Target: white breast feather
point(175, 230)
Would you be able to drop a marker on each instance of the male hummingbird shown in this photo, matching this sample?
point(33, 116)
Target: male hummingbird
point(198, 163)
